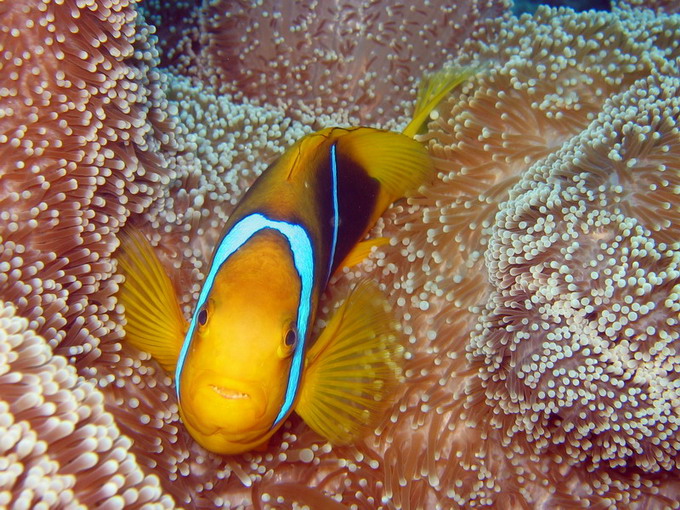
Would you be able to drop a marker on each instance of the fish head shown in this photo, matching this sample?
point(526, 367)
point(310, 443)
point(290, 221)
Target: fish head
point(236, 374)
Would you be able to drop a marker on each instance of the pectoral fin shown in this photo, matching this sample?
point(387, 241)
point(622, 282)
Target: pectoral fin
point(353, 368)
point(155, 323)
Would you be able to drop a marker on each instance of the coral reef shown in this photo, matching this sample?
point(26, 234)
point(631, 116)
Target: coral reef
point(542, 277)
point(537, 278)
point(78, 156)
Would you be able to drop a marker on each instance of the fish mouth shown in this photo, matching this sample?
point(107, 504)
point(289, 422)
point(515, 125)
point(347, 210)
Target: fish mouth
point(229, 393)
point(214, 404)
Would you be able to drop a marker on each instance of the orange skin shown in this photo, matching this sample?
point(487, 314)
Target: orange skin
point(235, 374)
point(233, 363)
point(233, 381)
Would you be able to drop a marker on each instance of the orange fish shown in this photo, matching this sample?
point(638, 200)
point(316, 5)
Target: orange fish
point(247, 359)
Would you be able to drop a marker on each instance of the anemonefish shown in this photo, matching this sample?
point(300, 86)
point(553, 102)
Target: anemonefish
point(246, 358)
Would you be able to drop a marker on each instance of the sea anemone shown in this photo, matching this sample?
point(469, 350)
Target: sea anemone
point(541, 262)
point(536, 277)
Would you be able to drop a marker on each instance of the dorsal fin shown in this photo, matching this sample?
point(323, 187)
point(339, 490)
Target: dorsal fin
point(397, 162)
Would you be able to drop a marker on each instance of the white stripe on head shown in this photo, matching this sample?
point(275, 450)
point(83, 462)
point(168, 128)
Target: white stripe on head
point(303, 258)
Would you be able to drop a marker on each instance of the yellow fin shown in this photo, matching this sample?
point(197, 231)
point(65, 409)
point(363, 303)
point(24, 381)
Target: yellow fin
point(362, 249)
point(431, 92)
point(155, 323)
point(397, 162)
point(352, 368)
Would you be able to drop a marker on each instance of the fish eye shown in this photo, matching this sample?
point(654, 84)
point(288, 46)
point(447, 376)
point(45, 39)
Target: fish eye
point(291, 337)
point(202, 317)
point(288, 341)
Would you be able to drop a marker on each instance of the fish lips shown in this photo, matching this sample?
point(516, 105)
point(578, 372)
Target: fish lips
point(219, 404)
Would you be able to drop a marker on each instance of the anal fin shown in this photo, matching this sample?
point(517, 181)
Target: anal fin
point(352, 368)
point(362, 249)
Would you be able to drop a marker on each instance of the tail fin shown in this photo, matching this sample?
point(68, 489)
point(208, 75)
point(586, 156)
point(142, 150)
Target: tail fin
point(155, 323)
point(432, 90)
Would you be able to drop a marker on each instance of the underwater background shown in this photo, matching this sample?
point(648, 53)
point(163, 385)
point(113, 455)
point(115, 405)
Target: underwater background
point(521, 7)
point(536, 279)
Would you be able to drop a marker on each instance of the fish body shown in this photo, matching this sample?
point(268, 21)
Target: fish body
point(246, 358)
point(284, 240)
